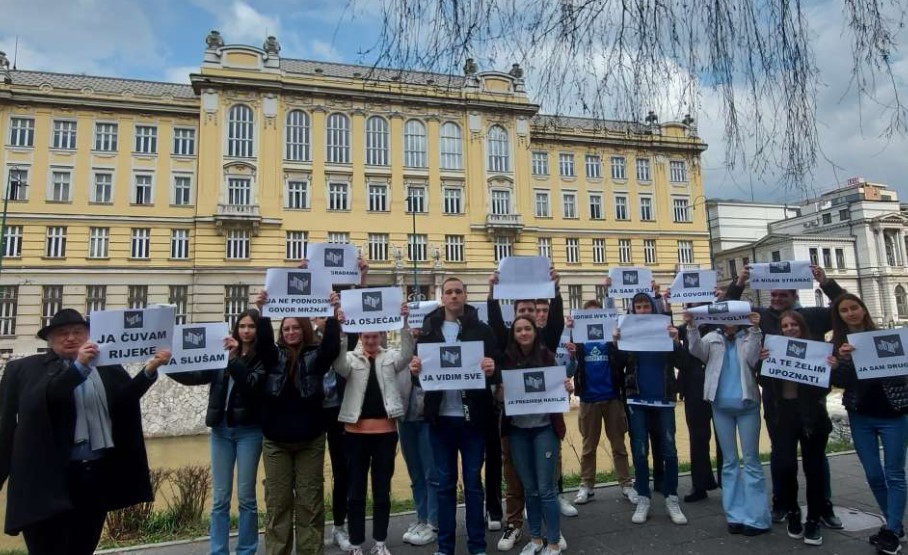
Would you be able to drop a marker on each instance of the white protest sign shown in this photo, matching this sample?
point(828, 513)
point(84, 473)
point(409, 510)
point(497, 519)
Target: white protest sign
point(374, 309)
point(131, 335)
point(726, 312)
point(524, 277)
point(645, 332)
point(451, 366)
point(419, 311)
point(198, 347)
point(507, 313)
point(562, 357)
point(791, 274)
point(338, 260)
point(694, 286)
point(797, 360)
point(293, 292)
point(535, 391)
point(594, 324)
point(880, 354)
point(627, 282)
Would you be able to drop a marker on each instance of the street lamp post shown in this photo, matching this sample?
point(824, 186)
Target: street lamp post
point(7, 192)
point(411, 206)
point(709, 228)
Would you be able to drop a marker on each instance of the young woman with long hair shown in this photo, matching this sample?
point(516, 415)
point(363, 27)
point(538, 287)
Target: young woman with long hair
point(876, 414)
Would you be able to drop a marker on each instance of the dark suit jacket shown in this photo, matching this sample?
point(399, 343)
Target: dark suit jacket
point(37, 425)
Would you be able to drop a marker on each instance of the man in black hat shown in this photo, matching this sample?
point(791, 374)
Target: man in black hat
point(71, 440)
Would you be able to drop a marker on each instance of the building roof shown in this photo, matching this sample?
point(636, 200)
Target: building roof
point(110, 85)
point(588, 124)
point(370, 73)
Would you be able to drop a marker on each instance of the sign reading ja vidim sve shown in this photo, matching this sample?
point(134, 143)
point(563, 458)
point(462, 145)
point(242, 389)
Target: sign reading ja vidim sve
point(535, 391)
point(375, 309)
point(880, 354)
point(131, 335)
point(451, 366)
point(797, 360)
point(198, 347)
point(338, 260)
point(293, 292)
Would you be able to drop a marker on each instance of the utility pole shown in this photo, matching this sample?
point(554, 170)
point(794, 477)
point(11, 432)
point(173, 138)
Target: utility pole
point(7, 192)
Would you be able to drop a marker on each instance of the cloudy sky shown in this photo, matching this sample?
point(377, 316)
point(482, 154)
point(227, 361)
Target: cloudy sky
point(163, 40)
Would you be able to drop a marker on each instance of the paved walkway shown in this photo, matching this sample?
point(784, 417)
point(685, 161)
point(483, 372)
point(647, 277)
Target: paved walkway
point(604, 526)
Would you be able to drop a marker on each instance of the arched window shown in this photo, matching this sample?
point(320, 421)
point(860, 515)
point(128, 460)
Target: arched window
point(901, 302)
point(240, 131)
point(499, 150)
point(376, 141)
point(297, 133)
point(415, 144)
point(451, 147)
point(819, 297)
point(338, 139)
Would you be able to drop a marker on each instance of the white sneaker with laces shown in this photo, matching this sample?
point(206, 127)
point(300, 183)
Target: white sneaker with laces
point(532, 548)
point(423, 535)
point(379, 549)
point(566, 508)
point(408, 535)
point(550, 551)
point(630, 493)
point(583, 495)
point(562, 543)
point(641, 513)
point(674, 510)
point(510, 537)
point(355, 551)
point(340, 538)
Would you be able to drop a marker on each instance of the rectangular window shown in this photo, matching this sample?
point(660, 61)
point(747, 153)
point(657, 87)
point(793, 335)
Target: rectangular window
point(22, 132)
point(681, 210)
point(503, 247)
point(140, 246)
point(827, 258)
point(649, 251)
point(378, 197)
point(566, 164)
point(501, 202)
point(453, 200)
point(9, 308)
point(182, 190)
point(12, 241)
point(733, 269)
point(137, 296)
point(338, 196)
point(575, 296)
point(95, 298)
point(55, 245)
point(685, 252)
point(239, 191)
point(51, 302)
point(183, 142)
point(296, 245)
point(646, 209)
point(99, 242)
point(64, 135)
point(840, 259)
point(339, 237)
point(827, 218)
point(18, 184)
point(624, 251)
point(143, 190)
point(237, 244)
point(776, 256)
point(643, 173)
point(543, 210)
point(598, 251)
point(678, 171)
point(619, 168)
point(102, 192)
point(545, 246)
point(621, 208)
point(297, 195)
point(378, 246)
point(814, 256)
point(179, 244)
point(593, 166)
point(844, 214)
point(236, 299)
point(416, 199)
point(595, 206)
point(146, 139)
point(454, 248)
point(106, 137)
point(60, 186)
point(417, 248)
point(540, 163)
point(179, 298)
point(569, 205)
point(572, 250)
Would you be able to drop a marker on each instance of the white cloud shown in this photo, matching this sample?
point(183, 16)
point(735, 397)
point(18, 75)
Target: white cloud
point(321, 50)
point(179, 74)
point(243, 24)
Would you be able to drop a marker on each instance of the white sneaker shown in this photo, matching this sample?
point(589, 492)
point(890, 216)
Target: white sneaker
point(566, 508)
point(641, 513)
point(424, 534)
point(550, 551)
point(583, 495)
point(510, 537)
point(408, 535)
point(630, 494)
point(379, 549)
point(494, 525)
point(532, 548)
point(562, 543)
point(674, 510)
point(355, 551)
point(340, 538)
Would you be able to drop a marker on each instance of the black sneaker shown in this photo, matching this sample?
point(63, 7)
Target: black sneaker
point(812, 534)
point(887, 542)
point(779, 514)
point(751, 531)
point(830, 520)
point(735, 528)
point(875, 538)
point(696, 495)
point(795, 528)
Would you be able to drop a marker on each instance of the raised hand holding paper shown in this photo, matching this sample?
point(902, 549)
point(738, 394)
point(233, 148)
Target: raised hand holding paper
point(627, 282)
point(375, 309)
point(198, 347)
point(645, 332)
point(451, 366)
point(524, 277)
point(131, 335)
point(797, 360)
point(338, 260)
point(294, 292)
point(790, 274)
point(593, 325)
point(418, 312)
point(694, 286)
point(535, 391)
point(880, 354)
point(725, 312)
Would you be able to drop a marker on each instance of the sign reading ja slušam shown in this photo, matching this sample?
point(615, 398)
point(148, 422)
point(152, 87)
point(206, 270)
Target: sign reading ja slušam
point(694, 286)
point(198, 347)
point(524, 277)
point(419, 311)
point(535, 391)
point(880, 354)
point(726, 312)
point(451, 366)
point(338, 260)
point(294, 292)
point(375, 309)
point(507, 313)
point(790, 274)
point(593, 325)
point(627, 282)
point(645, 332)
point(131, 335)
point(797, 360)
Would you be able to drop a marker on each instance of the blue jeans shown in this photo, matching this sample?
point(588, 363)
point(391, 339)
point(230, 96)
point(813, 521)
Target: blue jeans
point(886, 482)
point(534, 452)
point(417, 450)
point(743, 489)
point(664, 418)
point(451, 435)
point(240, 448)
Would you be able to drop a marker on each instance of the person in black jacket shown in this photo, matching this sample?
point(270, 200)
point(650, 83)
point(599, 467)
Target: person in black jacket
point(71, 441)
point(234, 416)
point(458, 418)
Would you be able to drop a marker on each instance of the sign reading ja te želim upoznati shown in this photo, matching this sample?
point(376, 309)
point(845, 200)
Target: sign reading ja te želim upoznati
point(797, 360)
point(198, 347)
point(292, 292)
point(131, 335)
point(451, 366)
point(535, 391)
point(880, 354)
point(371, 310)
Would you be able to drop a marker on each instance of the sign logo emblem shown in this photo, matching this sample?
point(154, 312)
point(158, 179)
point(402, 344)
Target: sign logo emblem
point(299, 283)
point(779, 267)
point(717, 308)
point(594, 332)
point(534, 382)
point(889, 346)
point(133, 319)
point(334, 258)
point(796, 349)
point(450, 357)
point(372, 301)
point(193, 338)
point(630, 277)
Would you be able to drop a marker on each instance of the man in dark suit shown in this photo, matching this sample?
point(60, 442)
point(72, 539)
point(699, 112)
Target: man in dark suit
point(71, 440)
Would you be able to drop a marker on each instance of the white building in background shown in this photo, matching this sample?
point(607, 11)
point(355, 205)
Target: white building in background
point(857, 232)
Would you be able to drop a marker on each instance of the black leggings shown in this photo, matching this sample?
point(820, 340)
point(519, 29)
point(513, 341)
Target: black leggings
point(367, 452)
point(788, 435)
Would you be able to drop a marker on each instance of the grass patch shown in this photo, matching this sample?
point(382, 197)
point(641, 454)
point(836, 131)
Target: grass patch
point(12, 552)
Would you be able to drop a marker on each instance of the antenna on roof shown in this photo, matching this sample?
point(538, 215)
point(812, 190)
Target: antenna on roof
point(16, 53)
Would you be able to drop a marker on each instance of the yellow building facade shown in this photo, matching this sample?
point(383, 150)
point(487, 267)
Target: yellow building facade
point(127, 193)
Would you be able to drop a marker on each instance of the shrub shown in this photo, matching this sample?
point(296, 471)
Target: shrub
point(129, 523)
point(189, 486)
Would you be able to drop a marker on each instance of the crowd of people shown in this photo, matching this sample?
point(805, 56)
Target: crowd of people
point(71, 445)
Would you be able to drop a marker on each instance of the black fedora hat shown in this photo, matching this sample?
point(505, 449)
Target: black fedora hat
point(65, 317)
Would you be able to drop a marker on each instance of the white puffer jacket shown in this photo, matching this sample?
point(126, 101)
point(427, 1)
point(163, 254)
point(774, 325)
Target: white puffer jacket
point(711, 350)
point(354, 367)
